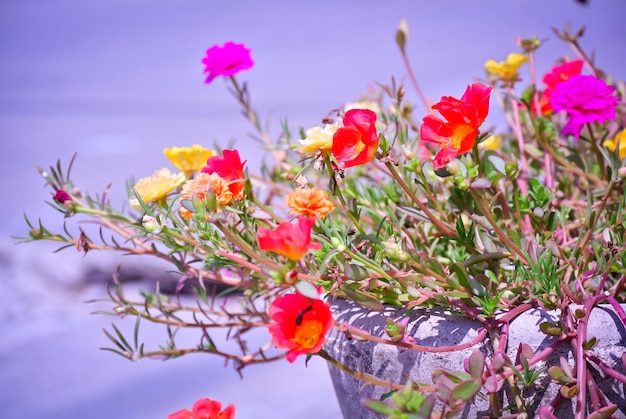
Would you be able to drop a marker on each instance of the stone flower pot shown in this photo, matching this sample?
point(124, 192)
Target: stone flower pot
point(438, 328)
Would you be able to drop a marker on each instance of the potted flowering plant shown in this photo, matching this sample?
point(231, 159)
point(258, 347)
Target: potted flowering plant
point(401, 248)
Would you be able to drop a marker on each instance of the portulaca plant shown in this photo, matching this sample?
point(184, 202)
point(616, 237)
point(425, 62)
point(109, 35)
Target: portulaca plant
point(386, 203)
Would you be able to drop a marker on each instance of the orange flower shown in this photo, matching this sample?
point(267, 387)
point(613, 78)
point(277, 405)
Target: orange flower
point(310, 202)
point(356, 142)
point(230, 168)
point(301, 324)
point(205, 409)
point(200, 186)
point(290, 240)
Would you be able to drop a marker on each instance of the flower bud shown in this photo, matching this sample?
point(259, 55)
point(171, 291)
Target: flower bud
point(337, 244)
point(511, 169)
point(621, 172)
point(454, 167)
point(151, 224)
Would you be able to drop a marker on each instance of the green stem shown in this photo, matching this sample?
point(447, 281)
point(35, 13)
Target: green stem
point(339, 195)
point(368, 263)
point(445, 229)
point(368, 378)
point(506, 241)
point(596, 151)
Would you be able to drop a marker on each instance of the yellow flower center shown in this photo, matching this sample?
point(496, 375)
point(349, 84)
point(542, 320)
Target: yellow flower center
point(308, 334)
point(460, 132)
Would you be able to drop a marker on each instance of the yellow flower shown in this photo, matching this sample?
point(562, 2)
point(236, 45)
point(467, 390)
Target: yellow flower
point(310, 202)
point(493, 142)
point(188, 159)
point(612, 143)
point(156, 187)
point(318, 139)
point(506, 69)
point(200, 185)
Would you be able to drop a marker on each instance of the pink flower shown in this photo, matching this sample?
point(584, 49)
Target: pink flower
point(205, 409)
point(585, 99)
point(62, 196)
point(227, 60)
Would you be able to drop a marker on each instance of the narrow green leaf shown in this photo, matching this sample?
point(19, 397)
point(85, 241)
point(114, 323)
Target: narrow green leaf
point(363, 299)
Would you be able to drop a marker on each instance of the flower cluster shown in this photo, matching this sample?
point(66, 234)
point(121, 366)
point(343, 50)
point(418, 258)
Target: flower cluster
point(377, 209)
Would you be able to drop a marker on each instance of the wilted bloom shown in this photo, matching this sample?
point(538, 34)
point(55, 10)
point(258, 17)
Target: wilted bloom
point(61, 196)
point(205, 409)
point(553, 78)
point(457, 134)
point(227, 60)
point(188, 159)
point(356, 142)
point(156, 187)
point(310, 202)
point(200, 186)
point(585, 99)
point(506, 70)
point(318, 139)
point(290, 240)
point(620, 138)
point(301, 324)
point(230, 168)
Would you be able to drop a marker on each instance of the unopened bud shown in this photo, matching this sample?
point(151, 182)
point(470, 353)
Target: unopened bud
point(151, 224)
point(291, 277)
point(454, 167)
point(621, 172)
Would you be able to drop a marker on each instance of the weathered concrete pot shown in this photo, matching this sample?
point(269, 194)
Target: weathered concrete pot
point(437, 328)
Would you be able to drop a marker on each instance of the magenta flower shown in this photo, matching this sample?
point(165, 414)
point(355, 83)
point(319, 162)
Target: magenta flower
point(227, 60)
point(585, 99)
point(62, 196)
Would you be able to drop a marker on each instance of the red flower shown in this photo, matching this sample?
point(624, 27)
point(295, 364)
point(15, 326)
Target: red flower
point(227, 60)
point(553, 78)
point(301, 324)
point(230, 168)
point(290, 240)
point(356, 142)
point(457, 134)
point(205, 409)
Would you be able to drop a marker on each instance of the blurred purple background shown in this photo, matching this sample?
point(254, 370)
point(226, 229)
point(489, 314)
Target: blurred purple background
point(118, 80)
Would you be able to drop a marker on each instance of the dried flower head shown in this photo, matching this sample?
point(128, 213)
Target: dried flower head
point(310, 202)
point(156, 186)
